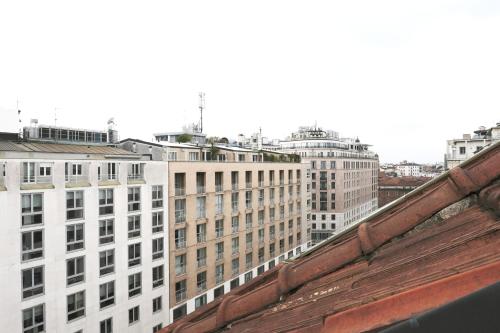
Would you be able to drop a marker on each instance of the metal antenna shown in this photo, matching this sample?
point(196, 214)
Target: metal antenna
point(19, 134)
point(202, 107)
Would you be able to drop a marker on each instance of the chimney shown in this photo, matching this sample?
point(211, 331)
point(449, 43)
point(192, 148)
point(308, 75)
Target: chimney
point(466, 136)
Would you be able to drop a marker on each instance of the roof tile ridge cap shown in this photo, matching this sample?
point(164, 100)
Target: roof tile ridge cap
point(221, 316)
point(489, 198)
point(462, 181)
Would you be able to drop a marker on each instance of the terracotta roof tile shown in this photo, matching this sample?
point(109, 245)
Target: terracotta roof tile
point(413, 255)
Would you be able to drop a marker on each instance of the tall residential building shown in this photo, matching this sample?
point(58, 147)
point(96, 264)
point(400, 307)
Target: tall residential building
point(231, 217)
point(84, 239)
point(459, 150)
point(343, 178)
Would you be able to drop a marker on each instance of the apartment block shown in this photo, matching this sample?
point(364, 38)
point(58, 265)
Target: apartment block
point(84, 239)
point(342, 176)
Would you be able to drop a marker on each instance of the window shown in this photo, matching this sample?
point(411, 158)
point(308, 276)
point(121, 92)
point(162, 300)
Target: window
point(180, 210)
point(260, 269)
point(106, 202)
point(234, 180)
point(157, 304)
point(180, 183)
point(106, 262)
point(134, 284)
point(234, 202)
point(201, 281)
point(75, 270)
point(249, 260)
point(261, 255)
point(106, 294)
point(180, 238)
point(201, 233)
point(34, 319)
point(235, 245)
point(157, 222)
point(32, 281)
point(45, 170)
point(235, 266)
point(134, 199)
point(157, 196)
point(180, 291)
point(31, 209)
point(106, 231)
point(235, 283)
point(157, 276)
point(219, 204)
point(218, 181)
point(134, 226)
point(28, 172)
point(219, 228)
point(261, 235)
point(201, 207)
point(76, 305)
point(106, 325)
point(180, 264)
point(260, 178)
point(201, 257)
point(134, 254)
point(32, 245)
point(219, 273)
point(249, 239)
point(248, 221)
point(462, 150)
point(261, 198)
point(272, 232)
point(218, 291)
point(200, 301)
point(133, 315)
point(74, 237)
point(260, 217)
point(248, 276)
point(235, 224)
point(157, 328)
point(248, 199)
point(157, 248)
point(74, 205)
point(200, 182)
point(219, 251)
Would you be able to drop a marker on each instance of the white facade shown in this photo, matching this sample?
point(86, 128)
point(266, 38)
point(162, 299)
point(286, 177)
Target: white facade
point(409, 170)
point(59, 225)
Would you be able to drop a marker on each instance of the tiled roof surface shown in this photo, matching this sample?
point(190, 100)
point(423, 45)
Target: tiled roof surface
point(402, 181)
point(62, 148)
point(438, 243)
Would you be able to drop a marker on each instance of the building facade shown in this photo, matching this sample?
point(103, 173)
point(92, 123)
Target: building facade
point(343, 179)
point(459, 150)
point(84, 241)
point(392, 188)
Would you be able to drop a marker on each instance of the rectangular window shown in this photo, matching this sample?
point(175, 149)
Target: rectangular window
point(234, 283)
point(235, 224)
point(74, 205)
point(201, 257)
point(134, 199)
point(234, 202)
point(106, 231)
point(180, 210)
point(219, 204)
point(106, 262)
point(76, 305)
point(260, 217)
point(180, 238)
point(261, 236)
point(107, 294)
point(234, 180)
point(248, 276)
point(180, 291)
point(219, 251)
point(249, 260)
point(201, 281)
point(200, 182)
point(157, 248)
point(157, 328)
point(201, 233)
point(180, 264)
point(180, 184)
point(219, 273)
point(157, 196)
point(200, 301)
point(248, 221)
point(157, 222)
point(33, 281)
point(133, 315)
point(235, 245)
point(134, 284)
point(34, 319)
point(462, 150)
point(249, 239)
point(106, 201)
point(271, 177)
point(261, 255)
point(31, 209)
point(32, 245)
point(106, 326)
point(201, 207)
point(219, 228)
point(134, 255)
point(157, 276)
point(157, 304)
point(248, 199)
point(134, 226)
point(75, 270)
point(218, 181)
point(74, 237)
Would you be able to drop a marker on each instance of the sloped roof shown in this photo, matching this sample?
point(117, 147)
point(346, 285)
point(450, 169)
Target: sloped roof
point(402, 181)
point(428, 248)
point(62, 148)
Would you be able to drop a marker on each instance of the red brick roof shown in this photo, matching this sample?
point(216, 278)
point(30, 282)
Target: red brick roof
point(413, 255)
point(402, 181)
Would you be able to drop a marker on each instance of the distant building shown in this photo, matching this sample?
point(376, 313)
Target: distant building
point(392, 188)
point(406, 169)
point(459, 150)
point(342, 178)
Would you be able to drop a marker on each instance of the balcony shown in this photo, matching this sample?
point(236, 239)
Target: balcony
point(135, 174)
point(76, 174)
point(107, 174)
point(36, 175)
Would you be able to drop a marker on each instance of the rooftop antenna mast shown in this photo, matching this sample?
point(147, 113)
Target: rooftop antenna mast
point(20, 133)
point(201, 107)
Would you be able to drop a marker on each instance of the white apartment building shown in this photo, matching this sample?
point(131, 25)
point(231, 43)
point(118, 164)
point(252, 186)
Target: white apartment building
point(459, 150)
point(405, 169)
point(342, 179)
point(84, 239)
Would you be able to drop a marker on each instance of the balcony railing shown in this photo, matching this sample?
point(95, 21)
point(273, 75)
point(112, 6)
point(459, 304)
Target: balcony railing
point(219, 278)
point(200, 189)
point(218, 187)
point(201, 238)
point(234, 207)
point(139, 176)
point(219, 255)
point(72, 179)
point(180, 191)
point(180, 244)
point(180, 295)
point(249, 185)
point(201, 287)
point(180, 216)
point(202, 262)
point(261, 183)
point(234, 186)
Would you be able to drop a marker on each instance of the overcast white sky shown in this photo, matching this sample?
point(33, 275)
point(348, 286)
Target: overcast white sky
point(402, 75)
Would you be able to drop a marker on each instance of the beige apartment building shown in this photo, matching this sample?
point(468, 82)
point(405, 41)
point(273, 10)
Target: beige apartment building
point(231, 217)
